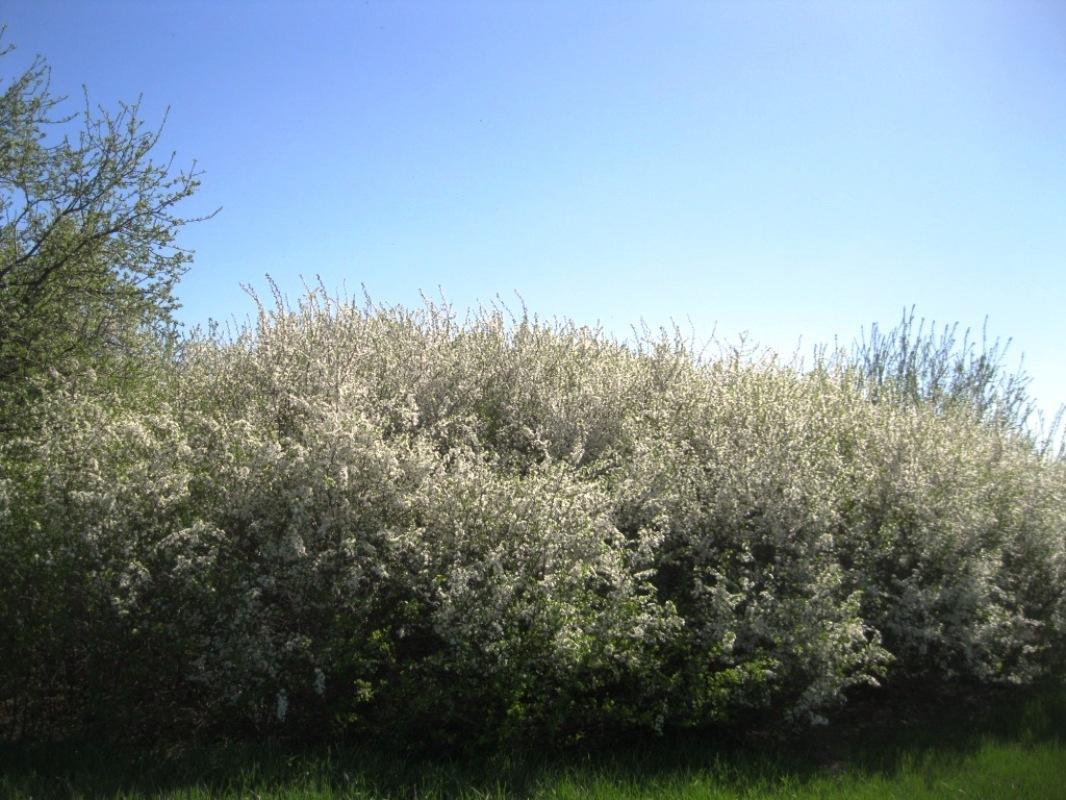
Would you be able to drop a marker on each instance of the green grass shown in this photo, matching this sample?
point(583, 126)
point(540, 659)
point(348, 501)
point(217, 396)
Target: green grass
point(1009, 744)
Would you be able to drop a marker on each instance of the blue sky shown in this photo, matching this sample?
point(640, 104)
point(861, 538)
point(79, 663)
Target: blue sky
point(788, 170)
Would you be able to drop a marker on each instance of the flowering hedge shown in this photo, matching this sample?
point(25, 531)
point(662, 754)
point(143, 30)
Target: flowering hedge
point(388, 521)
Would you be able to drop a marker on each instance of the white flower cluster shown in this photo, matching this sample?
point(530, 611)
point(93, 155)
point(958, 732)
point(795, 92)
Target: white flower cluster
point(385, 518)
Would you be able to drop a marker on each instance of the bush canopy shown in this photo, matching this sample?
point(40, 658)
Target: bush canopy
point(348, 518)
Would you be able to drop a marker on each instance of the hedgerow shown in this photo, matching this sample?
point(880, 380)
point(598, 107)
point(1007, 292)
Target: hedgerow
point(348, 518)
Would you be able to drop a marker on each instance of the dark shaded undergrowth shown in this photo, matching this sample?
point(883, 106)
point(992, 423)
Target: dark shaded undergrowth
point(924, 733)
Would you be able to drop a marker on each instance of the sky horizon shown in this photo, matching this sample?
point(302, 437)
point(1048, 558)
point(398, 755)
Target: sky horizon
point(792, 171)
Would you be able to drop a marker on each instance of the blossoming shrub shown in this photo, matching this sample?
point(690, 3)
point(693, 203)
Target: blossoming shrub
point(955, 532)
point(389, 521)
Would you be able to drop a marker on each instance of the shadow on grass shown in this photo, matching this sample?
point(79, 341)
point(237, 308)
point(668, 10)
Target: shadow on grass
point(867, 738)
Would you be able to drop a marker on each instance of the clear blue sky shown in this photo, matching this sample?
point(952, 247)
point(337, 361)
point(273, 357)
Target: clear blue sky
point(790, 170)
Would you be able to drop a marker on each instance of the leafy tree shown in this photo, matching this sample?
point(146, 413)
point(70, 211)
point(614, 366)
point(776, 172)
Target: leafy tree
point(88, 258)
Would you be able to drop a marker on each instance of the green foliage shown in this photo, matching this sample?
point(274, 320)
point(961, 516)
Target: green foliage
point(87, 239)
point(364, 519)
